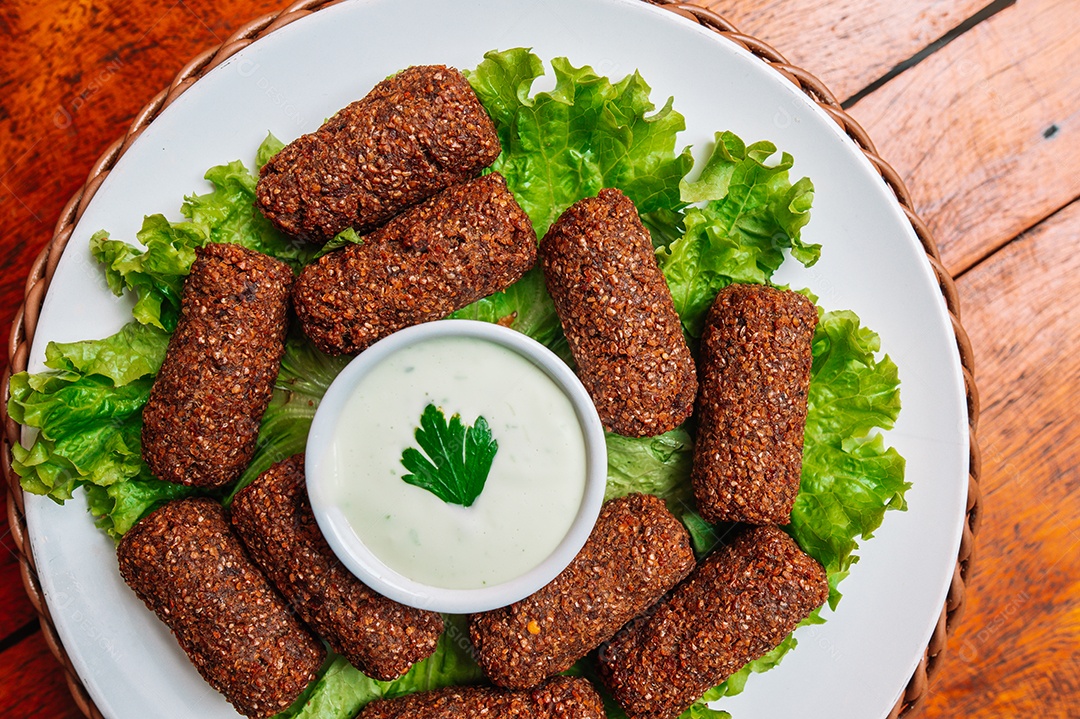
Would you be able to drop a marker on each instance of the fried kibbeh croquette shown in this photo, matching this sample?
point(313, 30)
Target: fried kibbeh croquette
point(636, 552)
point(737, 605)
point(617, 312)
point(755, 375)
point(184, 562)
point(378, 636)
point(465, 243)
point(559, 698)
point(413, 135)
point(202, 418)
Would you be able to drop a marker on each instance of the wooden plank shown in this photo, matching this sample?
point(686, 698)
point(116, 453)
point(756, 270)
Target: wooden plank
point(15, 608)
point(847, 43)
point(985, 131)
point(1015, 652)
point(33, 683)
point(74, 76)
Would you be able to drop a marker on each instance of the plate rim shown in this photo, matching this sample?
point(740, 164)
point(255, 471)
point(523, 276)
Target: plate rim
point(39, 278)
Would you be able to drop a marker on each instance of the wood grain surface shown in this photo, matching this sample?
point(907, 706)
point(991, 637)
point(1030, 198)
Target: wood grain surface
point(986, 131)
point(983, 130)
point(848, 44)
point(33, 685)
point(1016, 653)
point(73, 75)
point(15, 611)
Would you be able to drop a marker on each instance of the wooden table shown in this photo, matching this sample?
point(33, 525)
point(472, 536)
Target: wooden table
point(978, 108)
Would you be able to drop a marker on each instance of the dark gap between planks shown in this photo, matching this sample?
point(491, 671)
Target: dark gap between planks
point(1019, 236)
point(19, 634)
point(986, 13)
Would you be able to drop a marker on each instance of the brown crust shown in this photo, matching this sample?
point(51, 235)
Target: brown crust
point(377, 635)
point(755, 374)
point(637, 551)
point(617, 312)
point(414, 134)
point(187, 566)
point(465, 243)
point(560, 698)
point(202, 419)
point(39, 277)
point(736, 606)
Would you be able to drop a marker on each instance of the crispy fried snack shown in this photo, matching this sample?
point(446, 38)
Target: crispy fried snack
point(188, 567)
point(413, 135)
point(377, 635)
point(637, 551)
point(202, 419)
point(755, 374)
point(560, 698)
point(739, 603)
point(617, 312)
point(463, 244)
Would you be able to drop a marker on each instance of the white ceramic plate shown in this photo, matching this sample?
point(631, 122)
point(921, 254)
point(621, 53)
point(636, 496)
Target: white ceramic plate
point(855, 665)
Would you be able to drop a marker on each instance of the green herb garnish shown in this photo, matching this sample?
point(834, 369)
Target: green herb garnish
point(560, 145)
point(458, 457)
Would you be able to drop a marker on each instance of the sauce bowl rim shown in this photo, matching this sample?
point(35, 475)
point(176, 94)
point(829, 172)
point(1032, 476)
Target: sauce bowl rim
point(362, 562)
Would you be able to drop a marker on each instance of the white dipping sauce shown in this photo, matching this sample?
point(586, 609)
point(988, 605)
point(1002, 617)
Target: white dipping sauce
point(533, 492)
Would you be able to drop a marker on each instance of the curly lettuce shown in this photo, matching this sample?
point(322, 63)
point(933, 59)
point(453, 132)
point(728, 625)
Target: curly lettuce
point(586, 134)
point(87, 409)
point(558, 147)
point(156, 271)
point(850, 478)
point(753, 214)
point(566, 144)
point(88, 415)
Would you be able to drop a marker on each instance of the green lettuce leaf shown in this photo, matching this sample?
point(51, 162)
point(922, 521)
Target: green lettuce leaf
point(342, 690)
point(753, 214)
point(706, 537)
point(665, 226)
point(653, 465)
point(704, 711)
point(227, 214)
point(301, 383)
point(155, 274)
point(584, 135)
point(135, 351)
point(347, 236)
point(88, 413)
point(156, 271)
point(850, 478)
point(88, 431)
point(117, 507)
point(269, 147)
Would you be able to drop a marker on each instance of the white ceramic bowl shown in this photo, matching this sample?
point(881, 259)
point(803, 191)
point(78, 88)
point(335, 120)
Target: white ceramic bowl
point(375, 573)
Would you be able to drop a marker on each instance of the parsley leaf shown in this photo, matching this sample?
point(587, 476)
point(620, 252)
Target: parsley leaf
point(458, 457)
